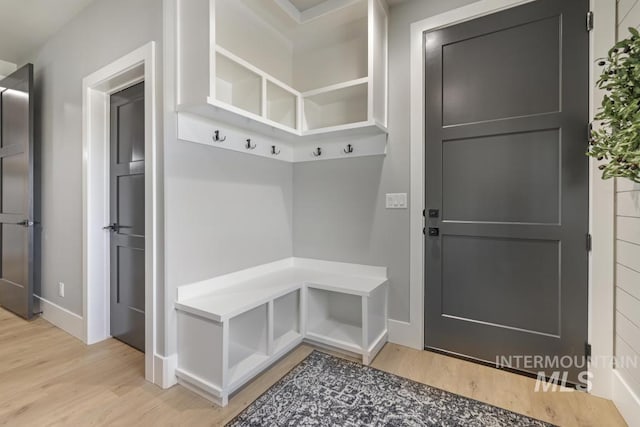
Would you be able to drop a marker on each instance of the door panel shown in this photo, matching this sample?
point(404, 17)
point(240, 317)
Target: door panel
point(497, 178)
point(15, 168)
point(15, 116)
point(127, 212)
point(15, 254)
point(504, 273)
point(130, 210)
point(506, 119)
point(131, 132)
point(131, 273)
point(19, 257)
point(505, 73)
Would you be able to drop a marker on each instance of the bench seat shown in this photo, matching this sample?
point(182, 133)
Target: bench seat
point(232, 327)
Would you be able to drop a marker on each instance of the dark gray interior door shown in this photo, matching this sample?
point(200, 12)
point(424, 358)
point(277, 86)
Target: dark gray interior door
point(127, 216)
point(506, 126)
point(17, 186)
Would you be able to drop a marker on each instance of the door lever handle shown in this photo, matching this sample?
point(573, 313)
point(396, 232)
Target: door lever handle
point(112, 227)
point(25, 223)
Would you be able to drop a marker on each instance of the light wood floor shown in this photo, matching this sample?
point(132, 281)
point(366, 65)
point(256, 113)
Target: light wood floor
point(49, 378)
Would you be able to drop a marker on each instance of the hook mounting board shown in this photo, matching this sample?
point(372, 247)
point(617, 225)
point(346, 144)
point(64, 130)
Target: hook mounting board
point(201, 130)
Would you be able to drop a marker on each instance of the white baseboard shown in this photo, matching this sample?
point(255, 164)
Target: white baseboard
point(627, 402)
point(403, 333)
point(165, 370)
point(64, 319)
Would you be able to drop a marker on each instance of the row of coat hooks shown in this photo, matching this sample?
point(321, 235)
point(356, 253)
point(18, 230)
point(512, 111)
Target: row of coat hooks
point(249, 145)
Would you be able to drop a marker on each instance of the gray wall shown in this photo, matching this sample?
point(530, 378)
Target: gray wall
point(6, 68)
point(339, 211)
point(627, 343)
point(101, 33)
point(225, 211)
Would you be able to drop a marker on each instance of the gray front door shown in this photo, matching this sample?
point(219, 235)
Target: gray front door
point(18, 186)
point(127, 216)
point(507, 185)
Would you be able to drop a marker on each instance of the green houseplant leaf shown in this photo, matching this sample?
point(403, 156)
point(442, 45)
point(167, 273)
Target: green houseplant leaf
point(618, 140)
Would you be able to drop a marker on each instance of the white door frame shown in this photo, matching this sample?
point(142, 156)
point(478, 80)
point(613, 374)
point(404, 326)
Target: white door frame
point(601, 202)
point(137, 66)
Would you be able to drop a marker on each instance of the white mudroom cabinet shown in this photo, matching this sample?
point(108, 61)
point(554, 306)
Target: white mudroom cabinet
point(302, 68)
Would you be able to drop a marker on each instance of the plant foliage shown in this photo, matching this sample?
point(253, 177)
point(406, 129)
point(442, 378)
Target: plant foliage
point(617, 141)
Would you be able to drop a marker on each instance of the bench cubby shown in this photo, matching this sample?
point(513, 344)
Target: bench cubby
point(286, 320)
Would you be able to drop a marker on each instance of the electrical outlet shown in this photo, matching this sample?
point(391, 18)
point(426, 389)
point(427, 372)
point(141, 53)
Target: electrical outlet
point(396, 201)
point(61, 289)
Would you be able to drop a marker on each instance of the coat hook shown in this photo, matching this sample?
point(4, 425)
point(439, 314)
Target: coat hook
point(349, 149)
point(317, 152)
point(274, 151)
point(249, 146)
point(216, 137)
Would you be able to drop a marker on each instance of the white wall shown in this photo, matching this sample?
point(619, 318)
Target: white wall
point(627, 342)
point(339, 204)
point(101, 33)
point(626, 381)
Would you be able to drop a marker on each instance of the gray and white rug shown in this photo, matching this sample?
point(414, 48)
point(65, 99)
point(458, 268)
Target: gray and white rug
point(325, 390)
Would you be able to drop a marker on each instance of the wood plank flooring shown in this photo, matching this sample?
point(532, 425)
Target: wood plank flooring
point(48, 378)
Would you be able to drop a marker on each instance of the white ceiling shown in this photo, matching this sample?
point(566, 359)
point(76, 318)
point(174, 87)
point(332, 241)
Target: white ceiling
point(303, 5)
point(25, 25)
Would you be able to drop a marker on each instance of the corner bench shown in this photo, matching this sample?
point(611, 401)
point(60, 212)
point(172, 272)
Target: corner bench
point(232, 327)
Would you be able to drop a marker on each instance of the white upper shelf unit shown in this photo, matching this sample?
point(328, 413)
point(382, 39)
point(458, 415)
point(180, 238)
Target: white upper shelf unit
point(303, 67)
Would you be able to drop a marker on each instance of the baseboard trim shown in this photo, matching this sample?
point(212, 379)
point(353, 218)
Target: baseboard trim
point(203, 388)
point(62, 318)
point(165, 370)
point(627, 402)
point(403, 333)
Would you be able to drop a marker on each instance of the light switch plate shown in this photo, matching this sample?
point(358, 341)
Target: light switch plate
point(396, 201)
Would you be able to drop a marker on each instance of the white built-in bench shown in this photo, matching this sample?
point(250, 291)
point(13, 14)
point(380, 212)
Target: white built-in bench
point(232, 327)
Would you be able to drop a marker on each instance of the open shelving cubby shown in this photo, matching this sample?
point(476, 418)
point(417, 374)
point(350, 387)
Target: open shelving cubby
point(238, 86)
point(286, 320)
point(335, 318)
point(336, 106)
point(248, 342)
point(282, 105)
point(303, 71)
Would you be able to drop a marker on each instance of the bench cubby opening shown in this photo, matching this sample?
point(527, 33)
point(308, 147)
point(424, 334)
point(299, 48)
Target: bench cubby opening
point(248, 341)
point(335, 318)
point(286, 320)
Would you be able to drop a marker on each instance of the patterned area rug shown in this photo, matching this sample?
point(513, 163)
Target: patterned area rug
point(325, 390)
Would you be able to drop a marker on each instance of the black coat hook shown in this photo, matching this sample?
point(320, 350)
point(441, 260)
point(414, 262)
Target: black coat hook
point(274, 151)
point(317, 152)
point(216, 137)
point(250, 146)
point(349, 149)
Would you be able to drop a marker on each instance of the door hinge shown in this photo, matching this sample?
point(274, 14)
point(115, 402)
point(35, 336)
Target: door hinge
point(587, 351)
point(589, 242)
point(590, 20)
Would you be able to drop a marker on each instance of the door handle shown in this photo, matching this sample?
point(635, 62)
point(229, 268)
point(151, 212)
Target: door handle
point(112, 227)
point(26, 223)
point(434, 231)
